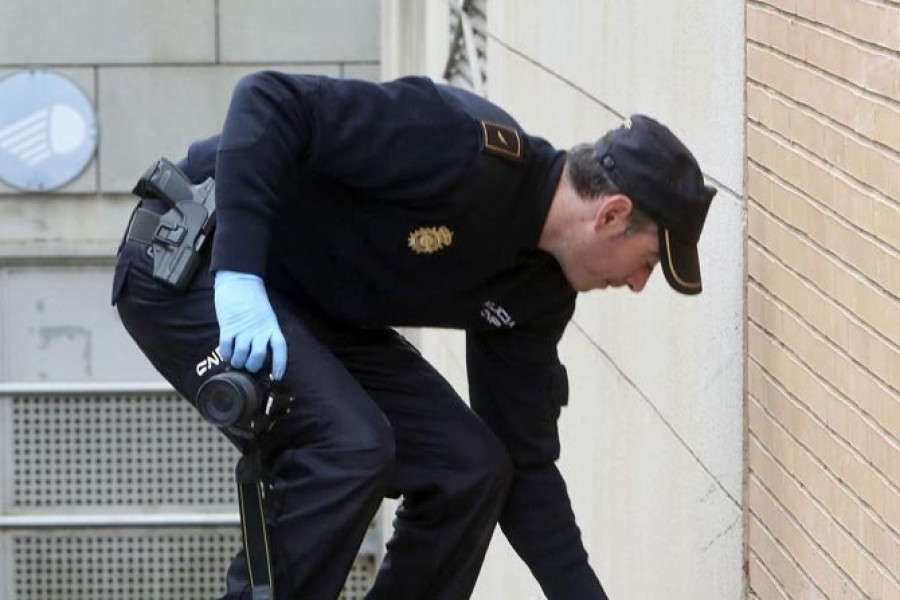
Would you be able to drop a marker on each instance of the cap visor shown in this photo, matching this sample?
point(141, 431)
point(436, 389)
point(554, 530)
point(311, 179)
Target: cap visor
point(680, 263)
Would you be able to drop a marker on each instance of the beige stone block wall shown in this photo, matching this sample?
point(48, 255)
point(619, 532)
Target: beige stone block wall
point(160, 75)
point(823, 384)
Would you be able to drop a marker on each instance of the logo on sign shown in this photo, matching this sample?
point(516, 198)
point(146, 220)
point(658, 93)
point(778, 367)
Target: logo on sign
point(48, 130)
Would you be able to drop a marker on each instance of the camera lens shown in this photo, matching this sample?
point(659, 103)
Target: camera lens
point(228, 399)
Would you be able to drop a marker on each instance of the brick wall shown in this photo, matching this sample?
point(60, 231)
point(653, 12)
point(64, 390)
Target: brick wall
point(823, 185)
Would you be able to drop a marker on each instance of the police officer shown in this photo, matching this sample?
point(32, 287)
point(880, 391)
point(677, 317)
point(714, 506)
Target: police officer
point(347, 207)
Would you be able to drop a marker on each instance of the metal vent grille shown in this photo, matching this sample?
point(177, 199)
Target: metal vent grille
point(120, 492)
point(138, 565)
point(361, 578)
point(140, 449)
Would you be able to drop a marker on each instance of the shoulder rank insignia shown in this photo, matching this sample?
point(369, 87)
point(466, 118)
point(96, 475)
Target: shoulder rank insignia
point(427, 240)
point(501, 140)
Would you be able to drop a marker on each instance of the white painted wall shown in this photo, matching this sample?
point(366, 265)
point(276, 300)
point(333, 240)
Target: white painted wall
point(652, 436)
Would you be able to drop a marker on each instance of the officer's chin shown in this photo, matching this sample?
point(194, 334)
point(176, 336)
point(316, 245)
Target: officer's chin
point(581, 281)
point(587, 286)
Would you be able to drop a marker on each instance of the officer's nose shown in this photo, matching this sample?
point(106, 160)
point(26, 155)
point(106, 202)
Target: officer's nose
point(637, 280)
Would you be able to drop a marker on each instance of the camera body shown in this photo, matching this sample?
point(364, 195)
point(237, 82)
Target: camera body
point(236, 398)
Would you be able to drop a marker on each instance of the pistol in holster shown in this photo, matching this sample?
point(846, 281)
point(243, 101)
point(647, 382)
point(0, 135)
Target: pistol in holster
point(179, 235)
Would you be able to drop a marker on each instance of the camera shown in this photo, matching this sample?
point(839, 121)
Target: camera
point(235, 398)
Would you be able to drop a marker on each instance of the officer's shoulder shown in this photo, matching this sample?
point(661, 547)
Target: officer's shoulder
point(477, 107)
point(200, 161)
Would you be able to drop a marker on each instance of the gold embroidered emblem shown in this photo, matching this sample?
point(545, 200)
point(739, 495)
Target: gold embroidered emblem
point(427, 240)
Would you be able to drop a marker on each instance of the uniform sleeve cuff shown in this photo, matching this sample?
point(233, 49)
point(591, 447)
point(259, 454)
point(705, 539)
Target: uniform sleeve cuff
point(243, 248)
point(579, 583)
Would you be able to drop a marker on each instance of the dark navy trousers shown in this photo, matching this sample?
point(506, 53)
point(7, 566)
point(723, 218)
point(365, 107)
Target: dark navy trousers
point(372, 418)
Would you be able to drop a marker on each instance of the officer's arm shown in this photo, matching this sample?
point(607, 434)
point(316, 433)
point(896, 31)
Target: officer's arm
point(266, 130)
point(200, 162)
point(394, 140)
point(518, 386)
point(280, 126)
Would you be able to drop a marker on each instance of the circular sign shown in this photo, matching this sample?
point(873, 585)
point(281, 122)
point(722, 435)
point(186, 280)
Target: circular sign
point(48, 130)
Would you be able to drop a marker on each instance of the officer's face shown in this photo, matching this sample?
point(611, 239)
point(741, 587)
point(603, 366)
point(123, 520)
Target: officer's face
point(612, 254)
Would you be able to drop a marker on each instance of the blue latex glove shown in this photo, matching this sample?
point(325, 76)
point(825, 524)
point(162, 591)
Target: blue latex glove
point(247, 323)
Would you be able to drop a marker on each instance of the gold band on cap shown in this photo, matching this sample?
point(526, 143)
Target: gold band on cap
point(681, 282)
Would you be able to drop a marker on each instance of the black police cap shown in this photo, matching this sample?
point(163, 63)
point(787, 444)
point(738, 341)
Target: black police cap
point(652, 167)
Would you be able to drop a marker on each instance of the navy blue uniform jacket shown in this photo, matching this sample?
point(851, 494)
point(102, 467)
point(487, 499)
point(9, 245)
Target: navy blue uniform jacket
point(413, 204)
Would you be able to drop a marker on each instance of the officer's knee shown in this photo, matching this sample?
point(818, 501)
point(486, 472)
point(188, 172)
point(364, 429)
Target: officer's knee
point(489, 466)
point(369, 458)
point(362, 461)
point(381, 451)
point(502, 469)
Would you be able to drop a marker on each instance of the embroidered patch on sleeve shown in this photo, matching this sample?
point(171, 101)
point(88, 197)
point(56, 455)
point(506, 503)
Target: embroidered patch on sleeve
point(502, 140)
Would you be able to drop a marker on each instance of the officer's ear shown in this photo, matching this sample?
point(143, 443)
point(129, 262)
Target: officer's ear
point(612, 212)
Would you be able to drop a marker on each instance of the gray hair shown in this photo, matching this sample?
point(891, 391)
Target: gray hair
point(591, 181)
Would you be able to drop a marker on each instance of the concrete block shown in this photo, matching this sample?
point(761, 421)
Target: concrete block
point(86, 182)
point(685, 353)
point(368, 72)
point(414, 38)
point(575, 117)
point(59, 326)
point(107, 31)
point(299, 30)
point(37, 225)
point(639, 493)
point(148, 113)
point(688, 72)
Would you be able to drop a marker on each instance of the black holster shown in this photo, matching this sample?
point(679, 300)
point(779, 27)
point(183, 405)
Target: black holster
point(180, 234)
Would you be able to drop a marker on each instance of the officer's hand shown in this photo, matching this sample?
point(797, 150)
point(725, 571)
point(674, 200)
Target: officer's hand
point(247, 323)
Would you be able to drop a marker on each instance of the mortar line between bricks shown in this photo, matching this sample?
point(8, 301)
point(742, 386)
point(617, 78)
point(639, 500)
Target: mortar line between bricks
point(875, 516)
point(765, 567)
point(784, 549)
point(836, 79)
point(830, 29)
point(803, 235)
point(861, 138)
point(848, 313)
point(802, 152)
point(795, 355)
point(882, 245)
point(886, 387)
point(861, 549)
